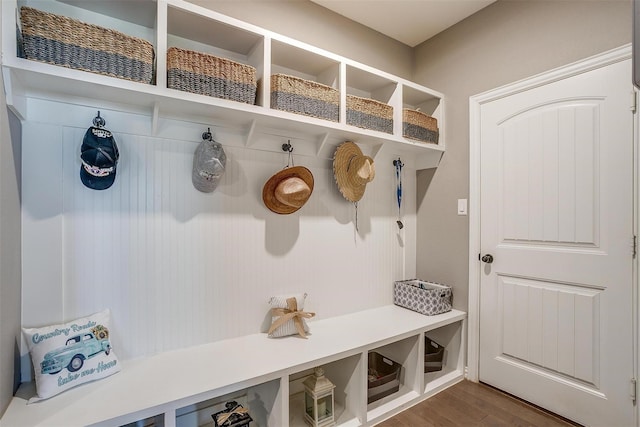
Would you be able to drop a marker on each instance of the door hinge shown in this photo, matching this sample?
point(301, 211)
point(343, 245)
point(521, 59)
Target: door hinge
point(634, 246)
point(634, 386)
point(634, 101)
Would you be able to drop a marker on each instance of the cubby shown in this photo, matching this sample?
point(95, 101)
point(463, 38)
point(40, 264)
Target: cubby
point(371, 85)
point(406, 353)
point(306, 64)
point(259, 400)
point(189, 30)
point(204, 33)
point(450, 337)
point(346, 375)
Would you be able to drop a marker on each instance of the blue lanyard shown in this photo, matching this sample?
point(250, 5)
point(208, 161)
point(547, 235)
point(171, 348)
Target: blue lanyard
point(398, 164)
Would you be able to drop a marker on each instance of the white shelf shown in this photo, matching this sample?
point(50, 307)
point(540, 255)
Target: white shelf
point(182, 24)
point(167, 382)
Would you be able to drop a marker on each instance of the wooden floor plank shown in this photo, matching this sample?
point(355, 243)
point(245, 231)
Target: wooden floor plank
point(504, 407)
point(474, 404)
point(498, 414)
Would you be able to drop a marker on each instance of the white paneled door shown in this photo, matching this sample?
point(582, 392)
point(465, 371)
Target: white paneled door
point(556, 216)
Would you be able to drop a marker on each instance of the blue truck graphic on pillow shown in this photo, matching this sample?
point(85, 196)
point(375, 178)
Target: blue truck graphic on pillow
point(76, 350)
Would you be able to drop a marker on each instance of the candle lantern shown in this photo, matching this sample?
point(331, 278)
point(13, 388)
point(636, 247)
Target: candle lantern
point(318, 400)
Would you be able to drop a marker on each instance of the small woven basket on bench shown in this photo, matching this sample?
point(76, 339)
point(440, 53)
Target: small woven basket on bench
point(67, 42)
point(419, 126)
point(306, 97)
point(205, 74)
point(428, 298)
point(369, 114)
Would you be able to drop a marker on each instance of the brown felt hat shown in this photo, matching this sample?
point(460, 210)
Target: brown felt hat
point(288, 190)
point(352, 171)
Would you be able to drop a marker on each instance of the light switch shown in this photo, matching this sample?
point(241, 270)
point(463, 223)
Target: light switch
point(462, 206)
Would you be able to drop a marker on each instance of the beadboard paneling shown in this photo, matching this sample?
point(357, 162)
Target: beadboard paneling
point(553, 208)
point(178, 267)
point(540, 328)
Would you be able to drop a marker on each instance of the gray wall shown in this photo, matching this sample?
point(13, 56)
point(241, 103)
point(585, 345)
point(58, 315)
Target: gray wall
point(505, 42)
point(10, 249)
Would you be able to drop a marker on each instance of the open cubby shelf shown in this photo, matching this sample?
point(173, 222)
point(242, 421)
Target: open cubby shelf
point(177, 23)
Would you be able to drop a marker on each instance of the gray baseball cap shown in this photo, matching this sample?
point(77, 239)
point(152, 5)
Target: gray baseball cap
point(209, 163)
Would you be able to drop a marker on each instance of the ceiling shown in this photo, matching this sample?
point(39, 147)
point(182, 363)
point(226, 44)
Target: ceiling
point(408, 21)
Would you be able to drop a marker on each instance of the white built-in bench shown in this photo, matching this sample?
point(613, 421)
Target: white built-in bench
point(180, 388)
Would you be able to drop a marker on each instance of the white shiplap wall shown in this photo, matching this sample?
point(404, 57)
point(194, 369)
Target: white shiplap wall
point(178, 267)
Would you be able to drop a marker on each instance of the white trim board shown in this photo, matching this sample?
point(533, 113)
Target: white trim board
point(475, 102)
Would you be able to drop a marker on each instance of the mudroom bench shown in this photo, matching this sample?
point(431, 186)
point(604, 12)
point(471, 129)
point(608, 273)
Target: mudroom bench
point(184, 387)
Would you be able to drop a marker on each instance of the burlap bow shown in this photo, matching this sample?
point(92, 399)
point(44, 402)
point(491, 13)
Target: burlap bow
point(222, 418)
point(286, 314)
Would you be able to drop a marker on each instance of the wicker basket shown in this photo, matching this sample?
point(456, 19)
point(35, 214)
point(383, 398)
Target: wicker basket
point(419, 126)
point(369, 114)
point(67, 42)
point(306, 97)
point(210, 75)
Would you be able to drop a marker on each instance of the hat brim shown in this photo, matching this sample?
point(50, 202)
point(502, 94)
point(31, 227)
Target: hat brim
point(97, 182)
point(269, 189)
point(344, 153)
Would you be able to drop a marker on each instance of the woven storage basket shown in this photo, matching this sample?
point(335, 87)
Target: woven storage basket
point(369, 114)
point(419, 126)
point(210, 75)
point(67, 42)
point(306, 97)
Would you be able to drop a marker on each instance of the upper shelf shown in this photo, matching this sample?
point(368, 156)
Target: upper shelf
point(176, 23)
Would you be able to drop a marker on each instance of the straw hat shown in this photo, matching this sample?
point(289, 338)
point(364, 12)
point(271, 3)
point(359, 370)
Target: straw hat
point(352, 171)
point(288, 190)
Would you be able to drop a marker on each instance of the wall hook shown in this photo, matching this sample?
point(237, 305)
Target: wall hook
point(287, 147)
point(207, 136)
point(99, 121)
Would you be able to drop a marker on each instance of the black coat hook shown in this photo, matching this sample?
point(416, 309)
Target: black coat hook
point(207, 136)
point(287, 147)
point(99, 121)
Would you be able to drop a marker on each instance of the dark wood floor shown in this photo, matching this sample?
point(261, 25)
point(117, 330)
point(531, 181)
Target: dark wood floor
point(472, 404)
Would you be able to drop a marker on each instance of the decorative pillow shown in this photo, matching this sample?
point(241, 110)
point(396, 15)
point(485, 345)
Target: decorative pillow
point(67, 355)
point(287, 317)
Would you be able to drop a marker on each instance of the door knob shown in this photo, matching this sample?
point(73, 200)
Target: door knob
point(488, 258)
